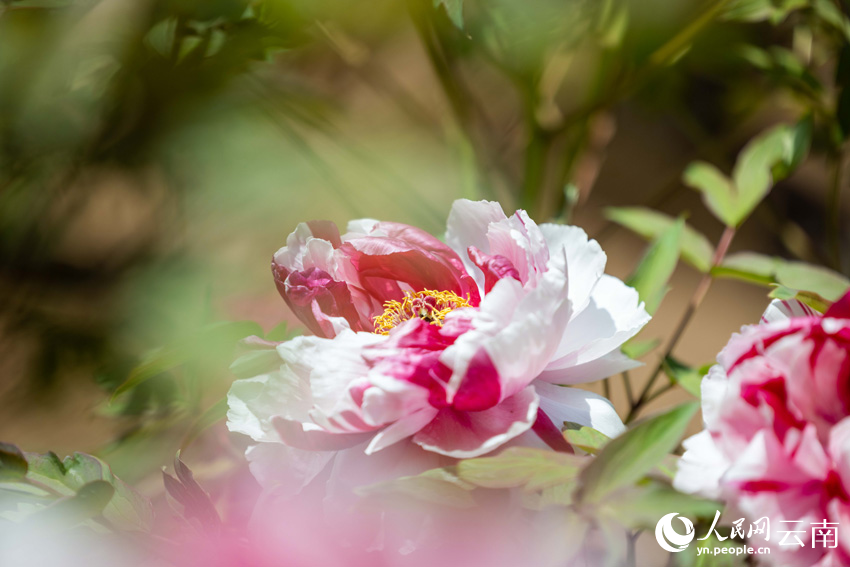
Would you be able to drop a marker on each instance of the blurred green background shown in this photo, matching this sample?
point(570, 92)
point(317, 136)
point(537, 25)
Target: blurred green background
point(155, 153)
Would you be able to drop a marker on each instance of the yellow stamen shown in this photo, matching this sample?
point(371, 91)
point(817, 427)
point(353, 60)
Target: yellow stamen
point(430, 305)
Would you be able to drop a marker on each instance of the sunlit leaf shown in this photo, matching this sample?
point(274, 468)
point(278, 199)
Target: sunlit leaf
point(586, 438)
point(695, 247)
point(717, 190)
point(688, 378)
point(626, 459)
point(635, 349)
point(656, 267)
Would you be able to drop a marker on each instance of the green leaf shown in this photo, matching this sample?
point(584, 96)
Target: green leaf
point(767, 158)
point(126, 510)
point(256, 362)
point(656, 267)
point(532, 469)
point(694, 246)
point(454, 9)
point(635, 349)
point(807, 277)
point(13, 465)
point(717, 190)
point(586, 438)
point(642, 506)
point(811, 299)
point(88, 502)
point(626, 459)
point(437, 486)
point(690, 379)
point(807, 280)
point(215, 338)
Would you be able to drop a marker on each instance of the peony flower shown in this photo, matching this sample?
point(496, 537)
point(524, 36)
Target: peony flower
point(425, 352)
point(776, 442)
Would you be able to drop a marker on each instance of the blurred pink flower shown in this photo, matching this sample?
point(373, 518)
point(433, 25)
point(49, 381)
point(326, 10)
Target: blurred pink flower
point(776, 441)
point(425, 351)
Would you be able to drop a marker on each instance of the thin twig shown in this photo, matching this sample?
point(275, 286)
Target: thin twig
point(696, 300)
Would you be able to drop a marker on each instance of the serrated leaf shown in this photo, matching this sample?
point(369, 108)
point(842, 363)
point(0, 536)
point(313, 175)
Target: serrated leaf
point(454, 9)
point(88, 502)
point(126, 510)
point(437, 486)
point(626, 459)
point(656, 267)
point(694, 246)
point(532, 469)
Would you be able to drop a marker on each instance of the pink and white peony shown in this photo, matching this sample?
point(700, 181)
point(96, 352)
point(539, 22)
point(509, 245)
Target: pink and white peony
point(452, 350)
point(776, 441)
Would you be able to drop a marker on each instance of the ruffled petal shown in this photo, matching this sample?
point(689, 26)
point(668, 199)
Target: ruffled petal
point(463, 435)
point(607, 365)
point(701, 467)
point(288, 470)
point(585, 259)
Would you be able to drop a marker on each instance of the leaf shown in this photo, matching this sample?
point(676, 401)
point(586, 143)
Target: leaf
point(636, 349)
point(437, 486)
point(807, 277)
point(694, 246)
point(626, 459)
point(454, 9)
point(717, 190)
point(690, 379)
point(641, 507)
point(811, 299)
point(586, 438)
point(768, 157)
point(656, 267)
point(532, 469)
point(13, 465)
point(212, 339)
point(126, 510)
point(89, 502)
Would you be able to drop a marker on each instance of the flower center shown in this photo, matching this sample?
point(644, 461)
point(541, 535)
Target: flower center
point(432, 306)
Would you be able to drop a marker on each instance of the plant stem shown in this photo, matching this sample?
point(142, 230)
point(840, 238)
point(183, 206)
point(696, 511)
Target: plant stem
point(699, 294)
point(627, 385)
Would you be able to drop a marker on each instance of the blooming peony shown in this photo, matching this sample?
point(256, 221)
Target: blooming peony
point(776, 442)
point(425, 352)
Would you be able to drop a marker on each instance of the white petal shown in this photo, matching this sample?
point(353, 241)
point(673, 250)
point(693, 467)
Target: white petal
point(612, 363)
point(713, 392)
point(585, 259)
point(701, 467)
point(275, 465)
point(614, 315)
point(784, 309)
point(467, 226)
point(254, 401)
point(579, 406)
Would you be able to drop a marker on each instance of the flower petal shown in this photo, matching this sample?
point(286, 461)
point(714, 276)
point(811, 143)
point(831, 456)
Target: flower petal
point(579, 406)
point(401, 429)
point(463, 435)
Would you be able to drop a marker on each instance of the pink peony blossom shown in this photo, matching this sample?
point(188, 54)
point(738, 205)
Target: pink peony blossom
point(776, 442)
point(425, 352)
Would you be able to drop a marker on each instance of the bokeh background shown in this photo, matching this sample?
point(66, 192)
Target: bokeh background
point(155, 153)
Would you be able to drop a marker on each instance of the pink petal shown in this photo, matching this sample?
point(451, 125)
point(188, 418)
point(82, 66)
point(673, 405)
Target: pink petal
point(469, 434)
point(295, 434)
